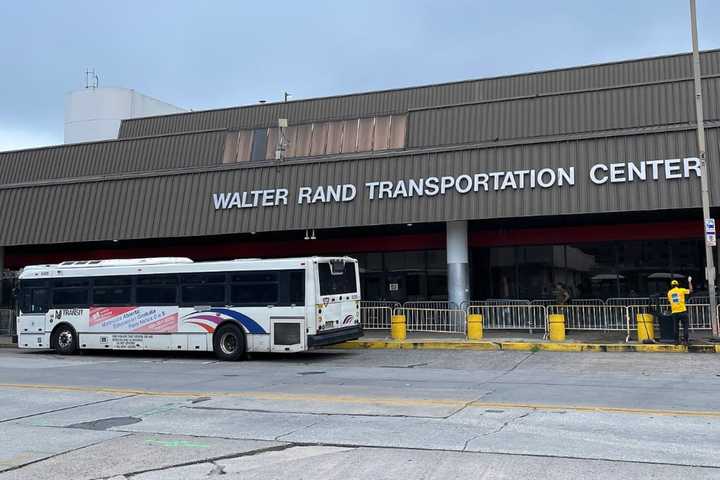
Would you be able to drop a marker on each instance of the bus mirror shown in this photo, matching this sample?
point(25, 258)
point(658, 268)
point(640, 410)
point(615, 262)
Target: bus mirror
point(337, 267)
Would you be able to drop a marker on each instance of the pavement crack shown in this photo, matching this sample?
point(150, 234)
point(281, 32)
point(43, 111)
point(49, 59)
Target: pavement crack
point(277, 439)
point(314, 414)
point(58, 454)
point(506, 423)
point(212, 460)
point(468, 404)
point(63, 409)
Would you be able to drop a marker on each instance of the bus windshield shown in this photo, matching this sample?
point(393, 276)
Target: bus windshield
point(337, 282)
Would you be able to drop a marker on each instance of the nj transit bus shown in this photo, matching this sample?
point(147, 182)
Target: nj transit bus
point(229, 307)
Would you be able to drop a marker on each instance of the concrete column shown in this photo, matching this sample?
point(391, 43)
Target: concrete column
point(457, 260)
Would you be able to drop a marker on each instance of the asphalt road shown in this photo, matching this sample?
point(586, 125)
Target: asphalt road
point(360, 414)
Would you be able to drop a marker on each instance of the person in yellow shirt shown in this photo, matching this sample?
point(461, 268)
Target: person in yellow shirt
point(676, 296)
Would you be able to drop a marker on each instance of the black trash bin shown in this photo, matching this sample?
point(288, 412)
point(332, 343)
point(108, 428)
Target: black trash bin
point(667, 328)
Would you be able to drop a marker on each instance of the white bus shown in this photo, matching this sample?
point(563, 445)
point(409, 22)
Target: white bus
point(229, 307)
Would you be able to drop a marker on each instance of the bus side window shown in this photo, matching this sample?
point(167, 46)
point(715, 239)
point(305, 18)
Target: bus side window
point(40, 302)
point(157, 289)
point(254, 288)
point(297, 287)
point(71, 292)
point(202, 289)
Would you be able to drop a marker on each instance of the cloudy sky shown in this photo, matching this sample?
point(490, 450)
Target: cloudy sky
point(214, 54)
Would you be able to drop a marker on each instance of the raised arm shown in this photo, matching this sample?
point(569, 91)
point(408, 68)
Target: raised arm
point(690, 284)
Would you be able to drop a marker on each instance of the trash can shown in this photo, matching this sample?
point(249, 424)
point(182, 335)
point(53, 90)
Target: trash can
point(667, 328)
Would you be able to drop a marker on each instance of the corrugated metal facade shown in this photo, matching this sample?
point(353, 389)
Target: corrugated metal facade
point(181, 204)
point(619, 108)
point(113, 157)
point(399, 101)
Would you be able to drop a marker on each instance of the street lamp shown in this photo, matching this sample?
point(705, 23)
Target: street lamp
point(709, 239)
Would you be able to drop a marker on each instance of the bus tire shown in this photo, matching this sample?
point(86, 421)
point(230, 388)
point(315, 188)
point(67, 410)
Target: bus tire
point(64, 339)
point(229, 342)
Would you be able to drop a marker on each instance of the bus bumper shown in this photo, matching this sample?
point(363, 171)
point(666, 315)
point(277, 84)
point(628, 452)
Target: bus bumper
point(335, 336)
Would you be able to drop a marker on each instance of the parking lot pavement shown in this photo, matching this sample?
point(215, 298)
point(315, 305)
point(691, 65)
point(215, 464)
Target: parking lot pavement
point(359, 414)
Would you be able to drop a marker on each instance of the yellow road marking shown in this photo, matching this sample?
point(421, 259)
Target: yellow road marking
point(381, 401)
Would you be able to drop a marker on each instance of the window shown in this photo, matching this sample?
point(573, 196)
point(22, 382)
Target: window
point(297, 287)
point(203, 289)
point(259, 144)
point(337, 284)
point(34, 296)
point(156, 290)
point(112, 291)
point(71, 292)
point(254, 288)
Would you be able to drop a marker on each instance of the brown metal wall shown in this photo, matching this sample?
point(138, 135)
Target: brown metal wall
point(113, 157)
point(399, 101)
point(601, 110)
point(181, 205)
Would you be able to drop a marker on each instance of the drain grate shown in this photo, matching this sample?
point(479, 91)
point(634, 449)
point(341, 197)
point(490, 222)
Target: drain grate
point(311, 373)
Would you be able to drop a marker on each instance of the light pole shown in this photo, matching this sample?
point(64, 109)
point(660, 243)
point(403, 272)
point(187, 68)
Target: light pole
point(710, 264)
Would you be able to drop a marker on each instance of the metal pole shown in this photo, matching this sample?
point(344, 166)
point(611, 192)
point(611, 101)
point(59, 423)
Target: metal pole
point(710, 264)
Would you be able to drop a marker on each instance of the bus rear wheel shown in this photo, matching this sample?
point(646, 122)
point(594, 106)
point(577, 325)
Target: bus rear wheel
point(229, 342)
point(64, 340)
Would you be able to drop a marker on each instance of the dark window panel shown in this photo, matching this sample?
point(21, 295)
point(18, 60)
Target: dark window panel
point(254, 294)
point(259, 144)
point(162, 295)
point(208, 294)
point(112, 295)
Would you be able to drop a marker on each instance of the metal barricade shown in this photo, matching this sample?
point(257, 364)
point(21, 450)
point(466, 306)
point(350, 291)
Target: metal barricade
point(700, 299)
point(699, 316)
point(512, 317)
point(435, 320)
point(544, 302)
point(432, 304)
point(594, 317)
point(8, 324)
point(379, 303)
point(586, 301)
point(375, 317)
point(502, 302)
point(624, 301)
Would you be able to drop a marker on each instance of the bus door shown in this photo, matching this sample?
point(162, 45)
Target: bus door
point(339, 295)
point(33, 304)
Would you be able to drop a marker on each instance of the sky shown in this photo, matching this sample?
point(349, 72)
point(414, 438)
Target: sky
point(212, 54)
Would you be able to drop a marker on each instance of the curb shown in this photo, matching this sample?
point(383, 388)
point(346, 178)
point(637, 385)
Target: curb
point(523, 346)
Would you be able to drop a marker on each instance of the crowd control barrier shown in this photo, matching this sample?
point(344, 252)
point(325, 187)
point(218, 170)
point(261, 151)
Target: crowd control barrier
point(7, 321)
point(511, 317)
point(434, 320)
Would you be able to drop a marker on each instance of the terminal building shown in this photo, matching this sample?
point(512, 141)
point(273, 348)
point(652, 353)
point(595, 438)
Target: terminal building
point(480, 189)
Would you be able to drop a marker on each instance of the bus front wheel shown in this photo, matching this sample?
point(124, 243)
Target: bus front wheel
point(229, 342)
point(64, 340)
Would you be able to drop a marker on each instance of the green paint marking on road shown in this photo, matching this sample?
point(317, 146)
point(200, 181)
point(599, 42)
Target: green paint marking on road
point(176, 443)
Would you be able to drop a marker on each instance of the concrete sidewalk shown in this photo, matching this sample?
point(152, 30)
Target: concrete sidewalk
point(523, 341)
point(6, 342)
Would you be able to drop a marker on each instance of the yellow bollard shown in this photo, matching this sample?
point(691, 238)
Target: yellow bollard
point(474, 326)
point(645, 327)
point(556, 325)
point(398, 330)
